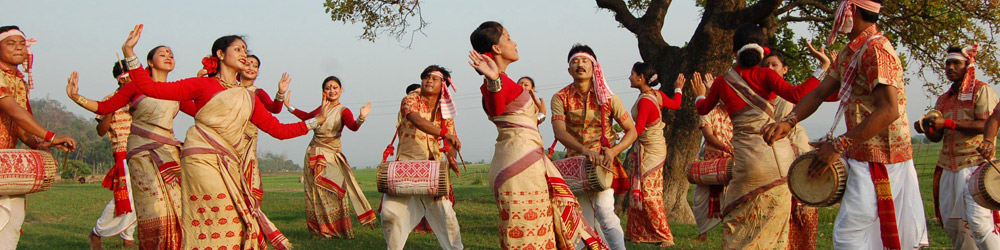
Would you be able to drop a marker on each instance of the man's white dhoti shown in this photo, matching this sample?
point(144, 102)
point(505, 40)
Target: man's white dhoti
point(400, 214)
point(599, 211)
point(11, 219)
point(857, 223)
point(969, 225)
point(123, 225)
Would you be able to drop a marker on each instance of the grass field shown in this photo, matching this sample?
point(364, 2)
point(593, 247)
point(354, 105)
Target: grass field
point(62, 217)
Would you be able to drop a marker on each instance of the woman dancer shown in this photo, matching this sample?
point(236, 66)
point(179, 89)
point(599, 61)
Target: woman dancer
point(218, 209)
point(153, 153)
point(537, 210)
point(329, 180)
point(647, 219)
point(528, 84)
point(756, 205)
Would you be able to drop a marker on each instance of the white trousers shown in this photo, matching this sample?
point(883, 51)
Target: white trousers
point(400, 214)
point(857, 223)
point(124, 225)
point(599, 211)
point(11, 219)
point(701, 205)
point(969, 225)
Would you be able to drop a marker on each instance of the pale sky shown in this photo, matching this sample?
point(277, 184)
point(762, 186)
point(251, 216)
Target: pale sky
point(298, 37)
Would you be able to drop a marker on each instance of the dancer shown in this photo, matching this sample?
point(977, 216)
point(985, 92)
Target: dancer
point(329, 179)
point(219, 209)
point(536, 208)
point(428, 118)
point(17, 123)
point(581, 120)
point(965, 107)
point(756, 205)
point(647, 219)
point(881, 207)
point(153, 154)
point(529, 84)
point(118, 217)
point(717, 129)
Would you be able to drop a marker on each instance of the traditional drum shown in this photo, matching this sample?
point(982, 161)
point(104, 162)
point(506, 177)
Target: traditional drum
point(712, 172)
point(924, 120)
point(25, 171)
point(983, 185)
point(413, 178)
point(582, 176)
point(822, 191)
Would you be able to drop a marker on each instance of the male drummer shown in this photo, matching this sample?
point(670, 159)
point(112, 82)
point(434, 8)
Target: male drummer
point(17, 123)
point(581, 120)
point(429, 117)
point(964, 108)
point(881, 207)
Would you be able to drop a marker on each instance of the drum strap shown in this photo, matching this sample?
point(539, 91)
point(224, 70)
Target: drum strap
point(846, 86)
point(389, 149)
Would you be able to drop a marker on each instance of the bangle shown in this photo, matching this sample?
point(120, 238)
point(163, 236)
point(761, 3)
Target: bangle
point(541, 117)
point(493, 85)
point(49, 136)
point(311, 123)
point(132, 62)
point(949, 124)
point(290, 108)
point(792, 118)
point(82, 101)
point(699, 98)
point(841, 143)
point(444, 131)
point(360, 120)
point(678, 90)
point(279, 96)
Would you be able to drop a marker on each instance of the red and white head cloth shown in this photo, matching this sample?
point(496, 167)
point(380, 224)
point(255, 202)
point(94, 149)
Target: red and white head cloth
point(968, 55)
point(600, 85)
point(448, 110)
point(28, 62)
point(843, 21)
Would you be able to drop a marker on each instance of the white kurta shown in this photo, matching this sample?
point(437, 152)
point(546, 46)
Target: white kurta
point(400, 214)
point(857, 223)
point(969, 225)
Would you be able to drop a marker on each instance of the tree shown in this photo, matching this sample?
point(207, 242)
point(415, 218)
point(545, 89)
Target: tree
point(74, 168)
point(929, 27)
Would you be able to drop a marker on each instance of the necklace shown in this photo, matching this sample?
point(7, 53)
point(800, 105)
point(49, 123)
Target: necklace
point(224, 83)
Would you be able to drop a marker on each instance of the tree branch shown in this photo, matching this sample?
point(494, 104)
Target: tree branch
point(622, 14)
point(759, 11)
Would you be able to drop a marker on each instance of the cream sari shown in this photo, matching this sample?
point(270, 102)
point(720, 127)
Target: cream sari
point(647, 219)
point(153, 157)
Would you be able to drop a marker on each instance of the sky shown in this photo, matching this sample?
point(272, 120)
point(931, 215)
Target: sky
point(299, 38)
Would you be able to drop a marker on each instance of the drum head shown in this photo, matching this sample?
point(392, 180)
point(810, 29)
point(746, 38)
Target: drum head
point(812, 191)
point(990, 180)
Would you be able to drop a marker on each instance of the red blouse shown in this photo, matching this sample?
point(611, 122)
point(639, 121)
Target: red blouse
point(201, 90)
point(496, 103)
point(345, 115)
point(649, 113)
point(271, 105)
point(763, 81)
point(129, 92)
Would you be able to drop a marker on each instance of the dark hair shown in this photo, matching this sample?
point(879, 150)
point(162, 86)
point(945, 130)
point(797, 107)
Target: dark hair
point(954, 49)
point(254, 57)
point(580, 48)
point(432, 68)
point(412, 87)
point(222, 44)
point(775, 53)
point(328, 79)
point(485, 36)
point(152, 52)
point(869, 16)
point(529, 79)
point(647, 72)
point(9, 27)
point(747, 34)
point(117, 69)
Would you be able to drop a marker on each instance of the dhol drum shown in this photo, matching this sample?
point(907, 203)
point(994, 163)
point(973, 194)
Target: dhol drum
point(26, 171)
point(924, 123)
point(582, 176)
point(712, 172)
point(821, 191)
point(984, 185)
point(413, 178)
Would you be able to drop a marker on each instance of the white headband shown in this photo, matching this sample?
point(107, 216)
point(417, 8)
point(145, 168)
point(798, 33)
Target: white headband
point(11, 32)
point(437, 73)
point(752, 46)
point(956, 56)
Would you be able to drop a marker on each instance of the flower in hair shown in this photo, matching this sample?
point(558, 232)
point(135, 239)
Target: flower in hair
point(767, 51)
point(210, 64)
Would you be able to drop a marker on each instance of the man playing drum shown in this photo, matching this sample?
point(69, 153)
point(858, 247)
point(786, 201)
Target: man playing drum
point(581, 120)
point(882, 195)
point(964, 109)
point(428, 118)
point(16, 122)
point(717, 129)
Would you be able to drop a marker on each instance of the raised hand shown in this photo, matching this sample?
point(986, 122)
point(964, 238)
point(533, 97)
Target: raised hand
point(201, 73)
point(679, 83)
point(72, 89)
point(698, 87)
point(131, 41)
point(484, 64)
point(283, 84)
point(709, 80)
point(365, 110)
point(287, 102)
point(820, 55)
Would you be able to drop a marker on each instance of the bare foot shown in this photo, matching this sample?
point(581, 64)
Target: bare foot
point(701, 238)
point(95, 241)
point(129, 244)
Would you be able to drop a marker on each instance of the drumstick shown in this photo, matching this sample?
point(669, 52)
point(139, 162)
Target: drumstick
point(992, 165)
point(463, 160)
point(65, 159)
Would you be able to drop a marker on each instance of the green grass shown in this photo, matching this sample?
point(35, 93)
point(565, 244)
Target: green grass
point(62, 217)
